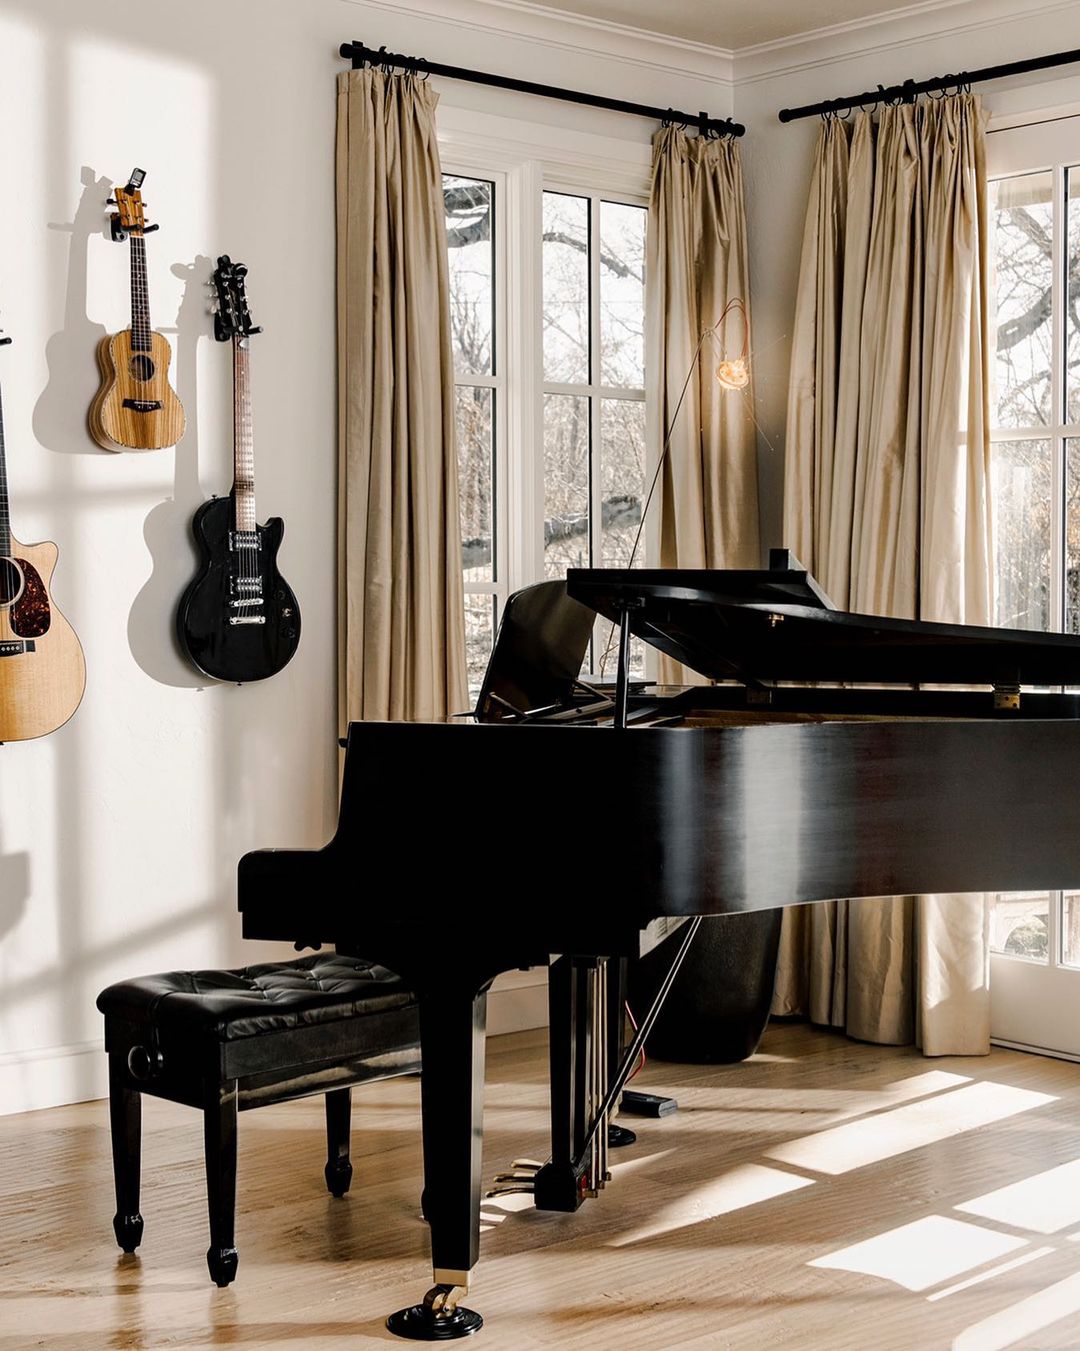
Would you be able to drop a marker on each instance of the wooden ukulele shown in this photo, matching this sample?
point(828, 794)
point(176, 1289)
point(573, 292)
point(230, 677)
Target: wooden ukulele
point(238, 620)
point(136, 408)
point(42, 672)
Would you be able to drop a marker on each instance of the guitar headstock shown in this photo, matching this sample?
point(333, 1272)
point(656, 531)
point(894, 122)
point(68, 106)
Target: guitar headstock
point(233, 317)
point(129, 218)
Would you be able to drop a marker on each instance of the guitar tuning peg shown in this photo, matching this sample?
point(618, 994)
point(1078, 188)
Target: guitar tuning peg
point(110, 201)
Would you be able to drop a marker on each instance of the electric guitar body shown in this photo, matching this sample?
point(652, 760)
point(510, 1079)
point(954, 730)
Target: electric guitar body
point(223, 634)
point(42, 670)
point(238, 620)
point(136, 408)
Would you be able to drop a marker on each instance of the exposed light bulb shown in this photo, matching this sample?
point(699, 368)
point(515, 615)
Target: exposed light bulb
point(733, 374)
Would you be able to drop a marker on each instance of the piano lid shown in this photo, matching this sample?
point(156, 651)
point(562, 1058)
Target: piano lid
point(759, 627)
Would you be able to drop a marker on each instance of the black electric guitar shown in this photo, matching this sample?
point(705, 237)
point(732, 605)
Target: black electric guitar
point(238, 620)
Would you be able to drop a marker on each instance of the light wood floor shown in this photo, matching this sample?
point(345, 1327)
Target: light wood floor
point(731, 1224)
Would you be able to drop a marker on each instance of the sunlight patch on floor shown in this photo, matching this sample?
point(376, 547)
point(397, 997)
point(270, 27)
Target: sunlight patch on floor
point(1045, 1203)
point(1023, 1319)
point(748, 1185)
point(919, 1255)
point(884, 1135)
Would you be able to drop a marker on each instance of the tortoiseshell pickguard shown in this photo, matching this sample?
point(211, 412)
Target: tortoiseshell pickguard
point(31, 614)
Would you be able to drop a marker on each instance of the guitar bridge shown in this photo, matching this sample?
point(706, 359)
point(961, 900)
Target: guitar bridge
point(14, 647)
point(247, 619)
point(143, 405)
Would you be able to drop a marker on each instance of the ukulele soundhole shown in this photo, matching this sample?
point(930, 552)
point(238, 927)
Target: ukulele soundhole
point(11, 581)
point(141, 367)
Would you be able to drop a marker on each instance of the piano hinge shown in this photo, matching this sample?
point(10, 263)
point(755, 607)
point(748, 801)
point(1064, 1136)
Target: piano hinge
point(1006, 698)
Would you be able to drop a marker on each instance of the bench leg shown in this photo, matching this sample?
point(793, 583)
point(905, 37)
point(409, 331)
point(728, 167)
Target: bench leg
point(338, 1126)
point(219, 1134)
point(125, 1120)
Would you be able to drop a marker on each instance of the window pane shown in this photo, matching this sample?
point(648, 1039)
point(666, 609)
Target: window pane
point(1072, 536)
point(470, 239)
point(1018, 924)
point(479, 637)
point(1070, 929)
point(476, 481)
point(622, 294)
point(1072, 308)
point(1022, 212)
point(605, 644)
point(622, 480)
point(566, 289)
point(566, 483)
point(1020, 483)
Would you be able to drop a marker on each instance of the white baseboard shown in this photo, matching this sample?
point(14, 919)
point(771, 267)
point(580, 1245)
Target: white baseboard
point(52, 1076)
point(518, 1001)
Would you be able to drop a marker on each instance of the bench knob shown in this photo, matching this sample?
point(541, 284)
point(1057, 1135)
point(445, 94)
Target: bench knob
point(145, 1062)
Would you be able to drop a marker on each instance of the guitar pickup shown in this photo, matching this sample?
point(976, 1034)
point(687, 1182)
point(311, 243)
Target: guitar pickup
point(143, 405)
point(14, 647)
point(243, 539)
point(247, 619)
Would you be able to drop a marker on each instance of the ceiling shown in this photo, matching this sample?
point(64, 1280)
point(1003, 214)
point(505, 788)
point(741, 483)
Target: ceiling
point(730, 24)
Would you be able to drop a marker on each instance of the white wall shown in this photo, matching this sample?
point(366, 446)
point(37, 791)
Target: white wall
point(777, 157)
point(119, 835)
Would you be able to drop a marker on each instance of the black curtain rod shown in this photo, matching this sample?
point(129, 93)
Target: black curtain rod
point(361, 56)
point(910, 89)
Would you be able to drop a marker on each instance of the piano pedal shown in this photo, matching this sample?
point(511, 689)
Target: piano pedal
point(530, 1164)
point(515, 1177)
point(522, 1189)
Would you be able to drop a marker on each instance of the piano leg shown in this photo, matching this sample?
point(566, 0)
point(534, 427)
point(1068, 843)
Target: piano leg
point(452, 1028)
point(618, 1136)
point(561, 1184)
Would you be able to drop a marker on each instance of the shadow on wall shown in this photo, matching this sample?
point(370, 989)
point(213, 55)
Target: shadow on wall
point(152, 619)
point(14, 889)
point(60, 414)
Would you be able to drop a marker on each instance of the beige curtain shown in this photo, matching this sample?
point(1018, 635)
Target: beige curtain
point(401, 616)
point(696, 264)
point(887, 501)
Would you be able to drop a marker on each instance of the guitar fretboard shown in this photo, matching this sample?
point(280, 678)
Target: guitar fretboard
point(140, 298)
point(243, 439)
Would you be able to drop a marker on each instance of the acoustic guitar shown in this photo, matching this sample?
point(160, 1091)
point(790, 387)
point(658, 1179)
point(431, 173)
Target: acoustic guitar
point(238, 620)
point(42, 672)
point(136, 408)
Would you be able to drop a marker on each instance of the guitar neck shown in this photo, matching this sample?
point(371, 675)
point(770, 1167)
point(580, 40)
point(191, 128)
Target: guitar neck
point(5, 519)
point(243, 439)
point(140, 297)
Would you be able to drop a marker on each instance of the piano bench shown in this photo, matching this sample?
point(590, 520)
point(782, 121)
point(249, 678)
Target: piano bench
point(227, 1041)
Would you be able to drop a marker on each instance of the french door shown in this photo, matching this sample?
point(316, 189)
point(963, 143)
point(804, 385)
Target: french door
point(1034, 213)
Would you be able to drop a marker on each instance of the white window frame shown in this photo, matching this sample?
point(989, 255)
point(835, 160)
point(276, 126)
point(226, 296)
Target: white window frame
point(524, 160)
point(1031, 1001)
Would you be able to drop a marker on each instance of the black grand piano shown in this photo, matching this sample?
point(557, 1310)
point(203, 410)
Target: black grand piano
point(834, 755)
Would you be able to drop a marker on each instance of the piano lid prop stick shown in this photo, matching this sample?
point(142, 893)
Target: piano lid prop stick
point(634, 1049)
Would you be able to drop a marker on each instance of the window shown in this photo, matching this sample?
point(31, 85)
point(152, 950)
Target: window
point(1035, 482)
point(479, 394)
point(547, 309)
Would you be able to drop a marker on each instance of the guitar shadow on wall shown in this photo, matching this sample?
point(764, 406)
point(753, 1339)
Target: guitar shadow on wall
point(60, 413)
point(14, 889)
point(167, 531)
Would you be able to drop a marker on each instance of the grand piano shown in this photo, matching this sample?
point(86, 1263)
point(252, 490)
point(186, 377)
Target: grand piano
point(832, 755)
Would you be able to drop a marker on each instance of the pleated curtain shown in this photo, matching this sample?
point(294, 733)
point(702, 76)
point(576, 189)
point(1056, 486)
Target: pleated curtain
point(887, 501)
point(401, 615)
point(696, 264)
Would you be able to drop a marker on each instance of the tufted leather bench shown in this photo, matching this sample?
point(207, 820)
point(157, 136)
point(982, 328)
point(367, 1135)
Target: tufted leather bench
point(226, 1041)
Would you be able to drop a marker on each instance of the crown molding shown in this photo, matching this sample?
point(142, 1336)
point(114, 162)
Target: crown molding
point(915, 25)
point(578, 33)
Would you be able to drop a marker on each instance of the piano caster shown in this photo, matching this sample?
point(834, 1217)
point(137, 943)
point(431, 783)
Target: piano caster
point(438, 1319)
point(222, 1263)
point(618, 1137)
point(128, 1230)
